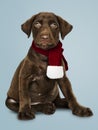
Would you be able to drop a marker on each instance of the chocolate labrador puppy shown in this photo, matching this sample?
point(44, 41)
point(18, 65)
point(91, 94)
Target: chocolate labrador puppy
point(32, 89)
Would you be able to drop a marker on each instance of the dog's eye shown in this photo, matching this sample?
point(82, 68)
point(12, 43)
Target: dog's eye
point(37, 25)
point(53, 25)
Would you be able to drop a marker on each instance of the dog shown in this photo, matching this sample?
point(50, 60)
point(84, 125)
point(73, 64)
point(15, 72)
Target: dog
point(34, 87)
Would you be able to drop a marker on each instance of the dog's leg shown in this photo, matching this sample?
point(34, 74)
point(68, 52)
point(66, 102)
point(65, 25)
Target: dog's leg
point(24, 96)
point(12, 104)
point(61, 102)
point(66, 89)
point(25, 112)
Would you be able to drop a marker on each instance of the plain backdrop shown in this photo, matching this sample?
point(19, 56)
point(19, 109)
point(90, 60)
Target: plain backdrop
point(80, 50)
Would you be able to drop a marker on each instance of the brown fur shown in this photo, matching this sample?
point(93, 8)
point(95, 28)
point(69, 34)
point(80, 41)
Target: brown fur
point(31, 90)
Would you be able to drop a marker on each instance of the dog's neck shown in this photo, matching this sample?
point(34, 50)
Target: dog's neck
point(54, 55)
point(39, 50)
point(46, 52)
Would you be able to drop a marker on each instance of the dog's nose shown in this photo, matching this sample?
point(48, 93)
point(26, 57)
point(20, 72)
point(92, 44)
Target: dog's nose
point(45, 33)
point(45, 36)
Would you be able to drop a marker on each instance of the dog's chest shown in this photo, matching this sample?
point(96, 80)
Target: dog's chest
point(42, 89)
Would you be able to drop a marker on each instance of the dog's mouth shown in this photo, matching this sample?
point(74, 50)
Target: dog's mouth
point(45, 44)
point(44, 41)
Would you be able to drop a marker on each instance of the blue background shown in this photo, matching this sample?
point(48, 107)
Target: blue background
point(81, 51)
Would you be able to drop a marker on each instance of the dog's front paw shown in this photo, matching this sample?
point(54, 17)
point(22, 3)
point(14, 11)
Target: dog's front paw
point(82, 111)
point(49, 108)
point(26, 114)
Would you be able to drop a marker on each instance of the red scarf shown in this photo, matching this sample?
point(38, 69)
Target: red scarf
point(54, 55)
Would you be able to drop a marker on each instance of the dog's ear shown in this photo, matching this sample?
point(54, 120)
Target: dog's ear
point(26, 27)
point(65, 27)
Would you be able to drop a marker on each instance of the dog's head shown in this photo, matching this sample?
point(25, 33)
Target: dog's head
point(45, 28)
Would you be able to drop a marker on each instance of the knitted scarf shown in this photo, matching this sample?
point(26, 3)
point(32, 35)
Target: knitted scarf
point(55, 55)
